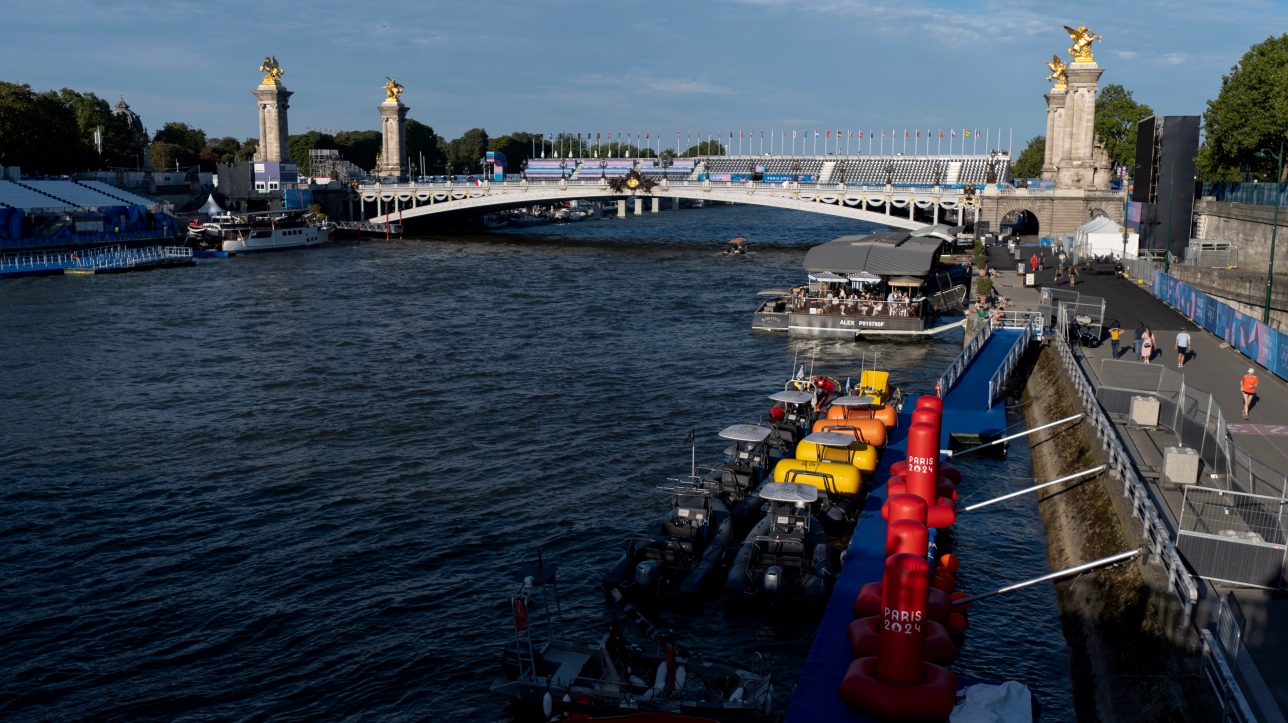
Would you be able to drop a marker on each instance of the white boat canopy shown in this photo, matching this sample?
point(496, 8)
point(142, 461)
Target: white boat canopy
point(864, 277)
point(827, 277)
point(905, 281)
point(773, 292)
point(746, 433)
point(791, 397)
point(853, 401)
point(830, 439)
point(789, 492)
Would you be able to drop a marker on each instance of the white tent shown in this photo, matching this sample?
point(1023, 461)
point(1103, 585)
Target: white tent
point(211, 207)
point(1102, 237)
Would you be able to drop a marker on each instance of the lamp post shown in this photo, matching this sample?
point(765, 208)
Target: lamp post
point(1274, 224)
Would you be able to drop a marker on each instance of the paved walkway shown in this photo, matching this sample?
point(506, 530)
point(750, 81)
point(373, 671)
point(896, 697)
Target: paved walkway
point(1214, 367)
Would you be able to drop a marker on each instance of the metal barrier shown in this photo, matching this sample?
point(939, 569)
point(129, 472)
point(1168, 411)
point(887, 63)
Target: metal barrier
point(1229, 627)
point(1233, 536)
point(963, 360)
point(1032, 328)
point(1157, 537)
point(1216, 668)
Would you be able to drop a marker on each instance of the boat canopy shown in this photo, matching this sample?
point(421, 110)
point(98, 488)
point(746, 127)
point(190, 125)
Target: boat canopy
point(789, 492)
point(830, 439)
point(773, 292)
point(827, 277)
point(905, 281)
point(746, 433)
point(890, 253)
point(864, 277)
point(791, 397)
point(854, 401)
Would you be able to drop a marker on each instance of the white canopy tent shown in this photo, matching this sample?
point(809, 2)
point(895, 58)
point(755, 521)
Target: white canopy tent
point(1102, 237)
point(211, 207)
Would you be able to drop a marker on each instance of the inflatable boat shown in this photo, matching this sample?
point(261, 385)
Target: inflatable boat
point(680, 557)
point(786, 555)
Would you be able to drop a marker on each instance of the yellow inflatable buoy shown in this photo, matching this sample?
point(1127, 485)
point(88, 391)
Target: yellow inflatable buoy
point(863, 456)
point(841, 479)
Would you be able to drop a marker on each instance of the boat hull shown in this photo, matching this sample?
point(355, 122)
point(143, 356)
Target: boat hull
point(279, 240)
point(770, 321)
point(830, 325)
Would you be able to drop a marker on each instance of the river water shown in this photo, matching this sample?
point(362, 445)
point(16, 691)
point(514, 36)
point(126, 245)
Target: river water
point(297, 486)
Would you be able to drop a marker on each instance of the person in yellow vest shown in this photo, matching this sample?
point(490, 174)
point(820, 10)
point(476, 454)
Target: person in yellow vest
point(1248, 384)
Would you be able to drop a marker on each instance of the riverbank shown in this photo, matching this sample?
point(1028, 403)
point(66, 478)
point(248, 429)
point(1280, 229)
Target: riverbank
point(1132, 653)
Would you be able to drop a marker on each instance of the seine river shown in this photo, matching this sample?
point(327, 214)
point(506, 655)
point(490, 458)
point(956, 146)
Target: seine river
point(297, 486)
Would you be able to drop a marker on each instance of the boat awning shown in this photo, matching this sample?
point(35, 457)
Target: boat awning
point(773, 292)
point(789, 492)
point(854, 401)
point(905, 281)
point(790, 397)
point(746, 433)
point(891, 253)
point(827, 277)
point(864, 277)
point(830, 439)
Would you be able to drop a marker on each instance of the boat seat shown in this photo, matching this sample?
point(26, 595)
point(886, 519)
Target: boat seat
point(687, 532)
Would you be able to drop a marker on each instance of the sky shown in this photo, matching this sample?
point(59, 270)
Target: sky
point(550, 66)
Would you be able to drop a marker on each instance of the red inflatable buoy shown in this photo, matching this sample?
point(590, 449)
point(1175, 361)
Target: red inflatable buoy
point(904, 506)
point(777, 414)
point(946, 470)
point(923, 458)
point(865, 633)
point(959, 595)
point(950, 561)
point(930, 401)
point(897, 485)
point(868, 602)
point(947, 583)
point(907, 536)
point(956, 623)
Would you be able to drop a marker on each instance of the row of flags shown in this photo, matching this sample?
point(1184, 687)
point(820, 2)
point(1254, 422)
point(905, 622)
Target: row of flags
point(752, 134)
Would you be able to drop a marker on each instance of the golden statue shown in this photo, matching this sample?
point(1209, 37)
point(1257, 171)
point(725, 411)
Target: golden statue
point(1057, 67)
point(392, 90)
point(1081, 48)
point(273, 70)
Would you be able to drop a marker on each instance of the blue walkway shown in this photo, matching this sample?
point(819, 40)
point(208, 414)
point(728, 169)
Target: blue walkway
point(965, 410)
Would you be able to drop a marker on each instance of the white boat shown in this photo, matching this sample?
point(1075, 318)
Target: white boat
point(237, 234)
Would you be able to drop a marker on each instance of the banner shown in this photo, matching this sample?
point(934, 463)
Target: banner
point(1244, 332)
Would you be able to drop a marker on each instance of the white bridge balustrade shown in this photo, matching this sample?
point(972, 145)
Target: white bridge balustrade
point(887, 205)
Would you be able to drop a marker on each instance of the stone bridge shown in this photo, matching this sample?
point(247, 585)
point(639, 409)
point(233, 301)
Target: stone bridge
point(899, 207)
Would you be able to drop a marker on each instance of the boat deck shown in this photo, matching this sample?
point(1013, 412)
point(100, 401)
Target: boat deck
point(966, 410)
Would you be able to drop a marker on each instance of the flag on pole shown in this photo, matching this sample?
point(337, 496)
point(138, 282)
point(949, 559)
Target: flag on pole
point(689, 439)
point(954, 134)
point(965, 133)
point(941, 134)
point(918, 133)
point(826, 134)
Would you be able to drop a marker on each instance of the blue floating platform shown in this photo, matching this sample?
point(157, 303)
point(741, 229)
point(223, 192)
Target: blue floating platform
point(966, 410)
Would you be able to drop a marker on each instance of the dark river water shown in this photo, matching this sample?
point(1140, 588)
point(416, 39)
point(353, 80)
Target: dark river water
point(297, 486)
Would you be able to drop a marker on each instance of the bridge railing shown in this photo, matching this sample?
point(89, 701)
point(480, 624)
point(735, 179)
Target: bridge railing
point(1030, 329)
point(963, 360)
point(904, 190)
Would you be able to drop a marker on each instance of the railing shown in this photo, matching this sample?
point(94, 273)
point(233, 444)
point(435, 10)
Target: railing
point(1216, 668)
point(963, 360)
point(1031, 328)
point(104, 258)
point(1260, 194)
point(918, 190)
point(81, 239)
point(1157, 538)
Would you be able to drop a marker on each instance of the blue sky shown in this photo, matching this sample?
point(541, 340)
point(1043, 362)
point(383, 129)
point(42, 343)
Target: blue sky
point(564, 65)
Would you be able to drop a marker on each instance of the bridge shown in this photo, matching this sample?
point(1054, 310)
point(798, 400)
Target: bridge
point(901, 192)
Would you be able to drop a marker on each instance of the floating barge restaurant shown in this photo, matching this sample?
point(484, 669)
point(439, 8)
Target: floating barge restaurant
point(883, 283)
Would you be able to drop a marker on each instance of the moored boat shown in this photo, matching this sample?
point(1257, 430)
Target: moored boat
point(786, 555)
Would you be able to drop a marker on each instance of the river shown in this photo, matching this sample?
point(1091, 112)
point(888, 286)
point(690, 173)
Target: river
point(297, 486)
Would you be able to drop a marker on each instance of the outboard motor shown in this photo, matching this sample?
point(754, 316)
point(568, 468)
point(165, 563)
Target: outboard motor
point(648, 572)
point(838, 516)
point(773, 579)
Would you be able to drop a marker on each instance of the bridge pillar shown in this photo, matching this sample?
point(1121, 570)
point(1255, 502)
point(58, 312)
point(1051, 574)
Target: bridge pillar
point(639, 206)
point(621, 208)
point(675, 203)
point(657, 204)
point(935, 212)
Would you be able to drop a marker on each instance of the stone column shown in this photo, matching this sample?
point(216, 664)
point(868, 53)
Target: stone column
point(621, 208)
point(393, 125)
point(273, 131)
point(639, 206)
point(657, 204)
point(1076, 168)
point(1054, 132)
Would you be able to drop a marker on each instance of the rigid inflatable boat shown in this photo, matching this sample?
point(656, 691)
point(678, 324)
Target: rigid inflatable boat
point(786, 555)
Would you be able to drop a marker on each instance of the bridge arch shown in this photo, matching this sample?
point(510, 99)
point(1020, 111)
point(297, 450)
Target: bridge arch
point(1034, 209)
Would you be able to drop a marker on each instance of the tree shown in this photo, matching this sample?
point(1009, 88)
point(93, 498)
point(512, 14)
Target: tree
point(122, 145)
point(704, 148)
point(1029, 164)
point(223, 150)
point(360, 147)
point(40, 132)
point(299, 147)
point(1249, 113)
point(170, 156)
point(466, 153)
point(182, 134)
point(421, 139)
point(1117, 115)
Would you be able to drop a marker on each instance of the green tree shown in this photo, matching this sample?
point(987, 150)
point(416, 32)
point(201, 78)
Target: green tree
point(360, 147)
point(122, 145)
point(299, 147)
point(1029, 163)
point(40, 132)
point(1249, 113)
point(168, 156)
point(223, 150)
point(422, 141)
point(705, 148)
point(1117, 115)
point(466, 153)
point(181, 134)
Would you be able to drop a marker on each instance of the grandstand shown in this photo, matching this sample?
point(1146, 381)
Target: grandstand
point(548, 168)
point(904, 171)
point(61, 212)
point(679, 168)
point(119, 194)
point(611, 168)
point(16, 195)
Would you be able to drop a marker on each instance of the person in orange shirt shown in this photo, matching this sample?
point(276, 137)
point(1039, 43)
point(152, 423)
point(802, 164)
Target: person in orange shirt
point(1248, 383)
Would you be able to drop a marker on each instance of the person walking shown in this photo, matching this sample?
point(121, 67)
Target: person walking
point(1147, 345)
point(1182, 348)
point(1114, 334)
point(1140, 336)
point(1248, 384)
point(1033, 263)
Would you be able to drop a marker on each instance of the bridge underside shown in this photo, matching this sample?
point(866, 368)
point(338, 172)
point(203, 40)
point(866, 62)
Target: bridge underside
point(445, 204)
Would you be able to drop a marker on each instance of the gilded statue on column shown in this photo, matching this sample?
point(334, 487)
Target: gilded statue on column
point(392, 90)
point(1081, 48)
point(273, 70)
point(1057, 68)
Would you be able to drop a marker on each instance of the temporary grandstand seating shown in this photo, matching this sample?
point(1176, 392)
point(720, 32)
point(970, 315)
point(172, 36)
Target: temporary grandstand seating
point(679, 168)
point(545, 168)
point(612, 168)
point(20, 196)
point(119, 194)
point(947, 170)
point(74, 193)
